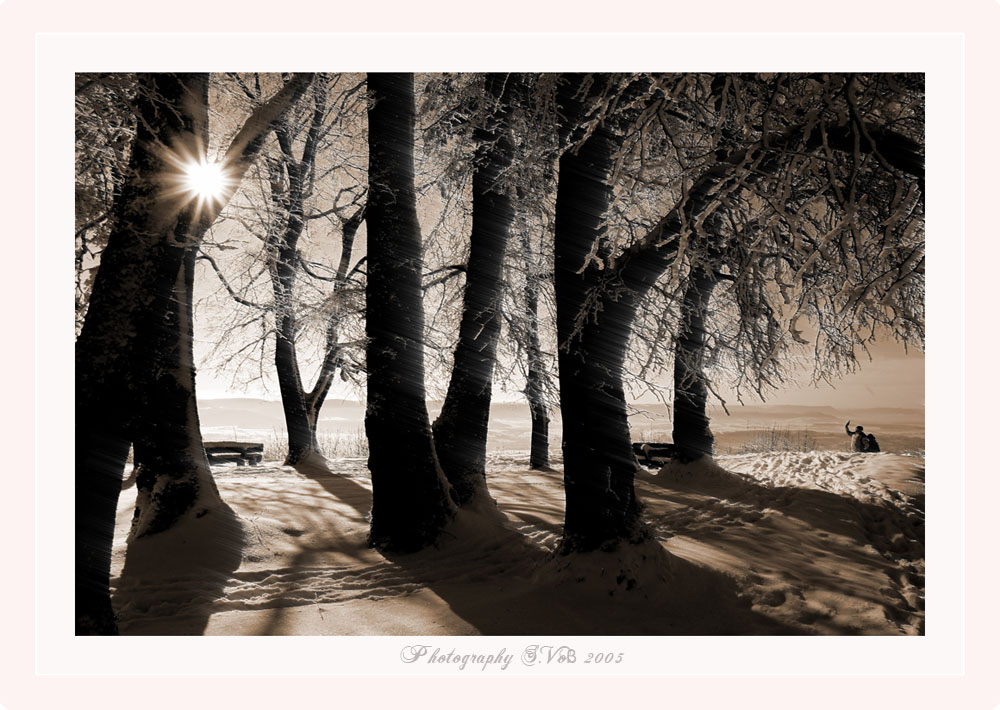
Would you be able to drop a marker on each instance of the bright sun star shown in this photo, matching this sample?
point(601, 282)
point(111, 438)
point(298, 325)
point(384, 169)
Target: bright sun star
point(204, 180)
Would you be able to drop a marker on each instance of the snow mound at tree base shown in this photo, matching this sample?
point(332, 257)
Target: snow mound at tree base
point(608, 590)
point(627, 568)
point(312, 461)
point(173, 571)
point(703, 473)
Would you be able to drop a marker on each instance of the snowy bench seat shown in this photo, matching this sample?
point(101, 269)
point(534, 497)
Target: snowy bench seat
point(654, 455)
point(241, 452)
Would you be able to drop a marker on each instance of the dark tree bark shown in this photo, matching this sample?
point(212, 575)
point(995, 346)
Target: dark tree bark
point(133, 288)
point(283, 246)
point(131, 349)
point(301, 408)
point(410, 495)
point(172, 472)
point(616, 292)
point(595, 312)
point(534, 388)
point(599, 467)
point(300, 425)
point(283, 266)
point(595, 308)
point(692, 434)
point(460, 430)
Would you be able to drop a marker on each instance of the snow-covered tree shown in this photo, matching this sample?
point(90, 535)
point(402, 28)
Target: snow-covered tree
point(292, 291)
point(822, 234)
point(460, 430)
point(410, 494)
point(134, 359)
point(104, 128)
point(745, 170)
point(530, 327)
point(503, 117)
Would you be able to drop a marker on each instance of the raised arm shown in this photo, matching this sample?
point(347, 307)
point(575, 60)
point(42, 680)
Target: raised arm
point(847, 428)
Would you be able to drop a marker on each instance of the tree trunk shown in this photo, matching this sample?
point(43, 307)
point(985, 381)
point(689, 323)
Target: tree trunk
point(332, 359)
point(599, 468)
point(539, 421)
point(283, 245)
point(600, 500)
point(301, 408)
point(598, 460)
point(535, 381)
point(692, 434)
point(410, 501)
point(130, 338)
point(134, 285)
point(461, 429)
point(300, 426)
point(596, 304)
point(173, 478)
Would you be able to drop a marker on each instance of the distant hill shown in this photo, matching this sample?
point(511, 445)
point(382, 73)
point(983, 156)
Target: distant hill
point(897, 428)
point(250, 413)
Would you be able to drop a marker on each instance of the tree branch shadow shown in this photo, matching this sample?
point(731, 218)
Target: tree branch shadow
point(341, 487)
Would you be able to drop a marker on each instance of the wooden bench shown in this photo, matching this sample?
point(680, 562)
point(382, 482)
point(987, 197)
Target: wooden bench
point(654, 455)
point(239, 451)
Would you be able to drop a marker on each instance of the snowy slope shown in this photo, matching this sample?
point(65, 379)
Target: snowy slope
point(821, 542)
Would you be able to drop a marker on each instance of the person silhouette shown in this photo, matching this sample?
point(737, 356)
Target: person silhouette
point(859, 440)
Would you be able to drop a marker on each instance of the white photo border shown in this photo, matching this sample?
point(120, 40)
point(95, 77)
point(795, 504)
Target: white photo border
point(939, 56)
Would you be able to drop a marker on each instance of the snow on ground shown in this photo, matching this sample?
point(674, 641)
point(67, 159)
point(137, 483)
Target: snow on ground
point(781, 543)
point(826, 541)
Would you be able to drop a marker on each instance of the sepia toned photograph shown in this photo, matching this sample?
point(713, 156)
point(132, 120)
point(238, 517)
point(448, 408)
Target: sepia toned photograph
point(461, 354)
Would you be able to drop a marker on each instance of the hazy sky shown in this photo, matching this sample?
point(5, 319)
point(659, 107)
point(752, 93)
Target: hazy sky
point(892, 379)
